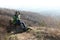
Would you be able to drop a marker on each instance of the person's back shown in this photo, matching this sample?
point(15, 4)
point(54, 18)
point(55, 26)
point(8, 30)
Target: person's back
point(19, 19)
point(15, 18)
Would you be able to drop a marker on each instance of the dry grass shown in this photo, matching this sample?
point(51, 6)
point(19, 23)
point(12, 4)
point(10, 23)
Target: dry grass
point(37, 33)
point(34, 20)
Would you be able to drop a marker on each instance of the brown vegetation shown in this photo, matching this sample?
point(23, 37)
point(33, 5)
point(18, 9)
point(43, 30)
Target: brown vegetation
point(43, 27)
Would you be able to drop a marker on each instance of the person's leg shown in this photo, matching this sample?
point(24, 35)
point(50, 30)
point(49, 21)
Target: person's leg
point(18, 22)
point(24, 27)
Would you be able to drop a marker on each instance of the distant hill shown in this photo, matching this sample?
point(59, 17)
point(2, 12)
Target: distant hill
point(30, 18)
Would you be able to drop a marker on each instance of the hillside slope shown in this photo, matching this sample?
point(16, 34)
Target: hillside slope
point(37, 33)
point(39, 24)
point(30, 18)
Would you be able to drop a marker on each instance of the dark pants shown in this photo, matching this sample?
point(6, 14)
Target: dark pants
point(18, 22)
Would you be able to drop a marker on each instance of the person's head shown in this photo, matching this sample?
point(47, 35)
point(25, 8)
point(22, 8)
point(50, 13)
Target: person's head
point(17, 13)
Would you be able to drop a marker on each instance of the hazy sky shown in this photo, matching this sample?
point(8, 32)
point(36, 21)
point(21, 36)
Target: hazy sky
point(31, 5)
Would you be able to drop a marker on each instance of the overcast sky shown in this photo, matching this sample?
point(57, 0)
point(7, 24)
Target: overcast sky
point(31, 5)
